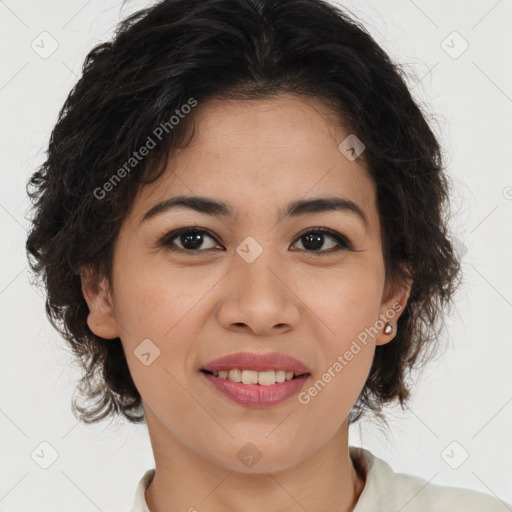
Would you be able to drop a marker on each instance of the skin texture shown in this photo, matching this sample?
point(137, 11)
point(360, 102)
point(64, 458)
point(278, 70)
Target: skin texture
point(258, 156)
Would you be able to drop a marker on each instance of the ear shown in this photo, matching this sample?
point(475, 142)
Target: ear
point(98, 296)
point(394, 301)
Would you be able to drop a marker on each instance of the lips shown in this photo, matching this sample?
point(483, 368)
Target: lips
point(257, 380)
point(257, 362)
point(255, 395)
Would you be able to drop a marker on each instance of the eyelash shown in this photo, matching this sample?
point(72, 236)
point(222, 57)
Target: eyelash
point(168, 239)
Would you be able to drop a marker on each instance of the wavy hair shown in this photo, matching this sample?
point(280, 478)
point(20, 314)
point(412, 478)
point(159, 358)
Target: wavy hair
point(157, 60)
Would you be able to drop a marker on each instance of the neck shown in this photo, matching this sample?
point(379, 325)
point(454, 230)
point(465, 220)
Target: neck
point(186, 480)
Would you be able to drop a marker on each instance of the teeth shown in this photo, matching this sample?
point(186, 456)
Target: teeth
point(249, 377)
point(265, 378)
point(235, 375)
point(280, 376)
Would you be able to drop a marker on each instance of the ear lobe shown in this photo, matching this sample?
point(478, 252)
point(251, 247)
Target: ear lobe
point(96, 292)
point(392, 307)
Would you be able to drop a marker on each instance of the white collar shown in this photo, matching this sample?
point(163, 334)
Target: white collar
point(373, 490)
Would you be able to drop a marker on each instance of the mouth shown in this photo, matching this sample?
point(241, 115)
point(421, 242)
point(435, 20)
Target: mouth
point(256, 380)
point(261, 378)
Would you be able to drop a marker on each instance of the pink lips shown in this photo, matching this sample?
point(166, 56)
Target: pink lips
point(255, 395)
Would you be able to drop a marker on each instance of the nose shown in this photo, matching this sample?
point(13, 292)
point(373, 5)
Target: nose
point(258, 298)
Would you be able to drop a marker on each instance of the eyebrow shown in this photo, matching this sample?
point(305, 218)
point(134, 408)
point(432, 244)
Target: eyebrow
point(209, 206)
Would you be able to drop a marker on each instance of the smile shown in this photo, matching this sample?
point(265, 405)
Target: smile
point(257, 395)
point(264, 378)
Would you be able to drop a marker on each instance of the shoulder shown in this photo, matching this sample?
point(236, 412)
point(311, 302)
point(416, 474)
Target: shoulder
point(426, 496)
point(139, 502)
point(387, 491)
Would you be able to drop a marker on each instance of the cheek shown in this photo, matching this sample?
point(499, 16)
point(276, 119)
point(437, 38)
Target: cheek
point(347, 311)
point(347, 306)
point(159, 325)
point(346, 302)
point(157, 300)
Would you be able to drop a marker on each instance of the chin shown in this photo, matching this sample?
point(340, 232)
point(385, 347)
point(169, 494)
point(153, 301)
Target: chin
point(259, 456)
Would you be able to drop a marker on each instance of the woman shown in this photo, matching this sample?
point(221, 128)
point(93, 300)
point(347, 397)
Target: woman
point(241, 228)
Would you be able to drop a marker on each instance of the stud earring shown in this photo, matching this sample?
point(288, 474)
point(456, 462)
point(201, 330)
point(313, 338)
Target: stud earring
point(388, 329)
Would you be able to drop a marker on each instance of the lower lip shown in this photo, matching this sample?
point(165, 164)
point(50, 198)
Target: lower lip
point(254, 395)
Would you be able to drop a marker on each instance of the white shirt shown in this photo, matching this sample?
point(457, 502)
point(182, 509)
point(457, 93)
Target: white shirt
point(387, 491)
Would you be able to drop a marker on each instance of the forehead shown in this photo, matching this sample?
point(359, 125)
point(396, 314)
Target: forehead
point(263, 154)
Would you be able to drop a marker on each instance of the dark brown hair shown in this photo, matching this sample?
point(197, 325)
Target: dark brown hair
point(160, 58)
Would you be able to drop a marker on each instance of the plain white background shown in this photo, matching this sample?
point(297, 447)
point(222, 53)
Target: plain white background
point(463, 400)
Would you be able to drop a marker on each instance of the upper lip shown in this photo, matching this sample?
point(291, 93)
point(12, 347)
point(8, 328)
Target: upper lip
point(257, 362)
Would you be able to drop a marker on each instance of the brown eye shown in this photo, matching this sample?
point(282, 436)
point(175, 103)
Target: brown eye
point(314, 239)
point(189, 239)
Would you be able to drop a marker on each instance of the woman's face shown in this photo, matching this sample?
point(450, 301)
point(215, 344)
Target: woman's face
point(259, 281)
